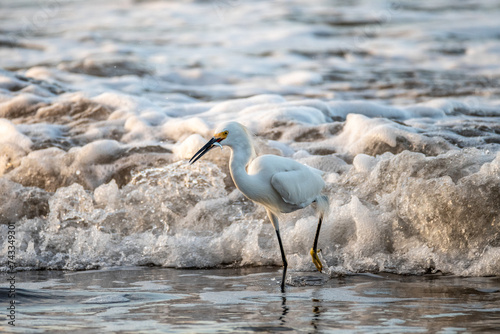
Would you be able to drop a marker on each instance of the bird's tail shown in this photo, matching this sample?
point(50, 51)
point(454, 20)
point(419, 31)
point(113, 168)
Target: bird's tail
point(322, 205)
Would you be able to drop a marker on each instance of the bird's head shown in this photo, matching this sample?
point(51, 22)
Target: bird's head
point(225, 134)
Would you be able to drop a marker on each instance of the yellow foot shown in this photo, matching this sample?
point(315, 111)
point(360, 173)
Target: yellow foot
point(316, 260)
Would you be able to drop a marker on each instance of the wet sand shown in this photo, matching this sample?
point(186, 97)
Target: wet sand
point(159, 300)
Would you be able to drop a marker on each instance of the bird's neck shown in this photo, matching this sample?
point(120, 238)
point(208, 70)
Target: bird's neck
point(242, 154)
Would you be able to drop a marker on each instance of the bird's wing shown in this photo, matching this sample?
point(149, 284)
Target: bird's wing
point(299, 186)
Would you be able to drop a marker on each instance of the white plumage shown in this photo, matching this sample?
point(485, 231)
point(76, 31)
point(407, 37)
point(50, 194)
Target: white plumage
point(280, 184)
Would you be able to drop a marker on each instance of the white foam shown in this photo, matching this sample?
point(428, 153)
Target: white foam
point(370, 109)
point(189, 146)
point(361, 132)
point(108, 195)
point(106, 299)
point(97, 152)
point(363, 163)
point(226, 110)
point(179, 129)
point(300, 78)
point(374, 135)
point(41, 132)
point(11, 135)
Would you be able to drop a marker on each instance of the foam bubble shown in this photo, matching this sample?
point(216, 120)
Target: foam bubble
point(300, 78)
point(11, 135)
point(99, 151)
point(189, 146)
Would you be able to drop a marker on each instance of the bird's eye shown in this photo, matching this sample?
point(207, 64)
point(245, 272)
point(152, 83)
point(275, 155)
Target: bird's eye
point(226, 132)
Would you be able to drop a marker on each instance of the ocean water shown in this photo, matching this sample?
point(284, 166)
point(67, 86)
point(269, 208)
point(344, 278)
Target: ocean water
point(247, 300)
point(103, 103)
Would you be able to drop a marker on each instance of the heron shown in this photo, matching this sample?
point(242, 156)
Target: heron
point(279, 184)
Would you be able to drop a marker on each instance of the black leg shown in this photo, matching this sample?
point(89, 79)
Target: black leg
point(314, 250)
point(315, 246)
point(274, 221)
point(285, 264)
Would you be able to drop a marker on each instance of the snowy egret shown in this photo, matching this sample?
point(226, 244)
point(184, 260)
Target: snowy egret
point(279, 184)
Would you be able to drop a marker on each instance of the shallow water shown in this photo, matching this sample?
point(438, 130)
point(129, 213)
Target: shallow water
point(247, 300)
point(397, 104)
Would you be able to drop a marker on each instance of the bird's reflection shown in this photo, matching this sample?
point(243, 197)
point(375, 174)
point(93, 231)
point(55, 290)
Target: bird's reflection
point(285, 310)
point(316, 313)
point(317, 310)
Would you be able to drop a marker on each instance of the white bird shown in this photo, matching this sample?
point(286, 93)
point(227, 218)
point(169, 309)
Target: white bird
point(279, 184)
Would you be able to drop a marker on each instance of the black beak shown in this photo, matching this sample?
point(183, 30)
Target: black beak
point(208, 146)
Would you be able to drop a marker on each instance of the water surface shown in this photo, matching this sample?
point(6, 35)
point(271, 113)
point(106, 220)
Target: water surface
point(155, 300)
